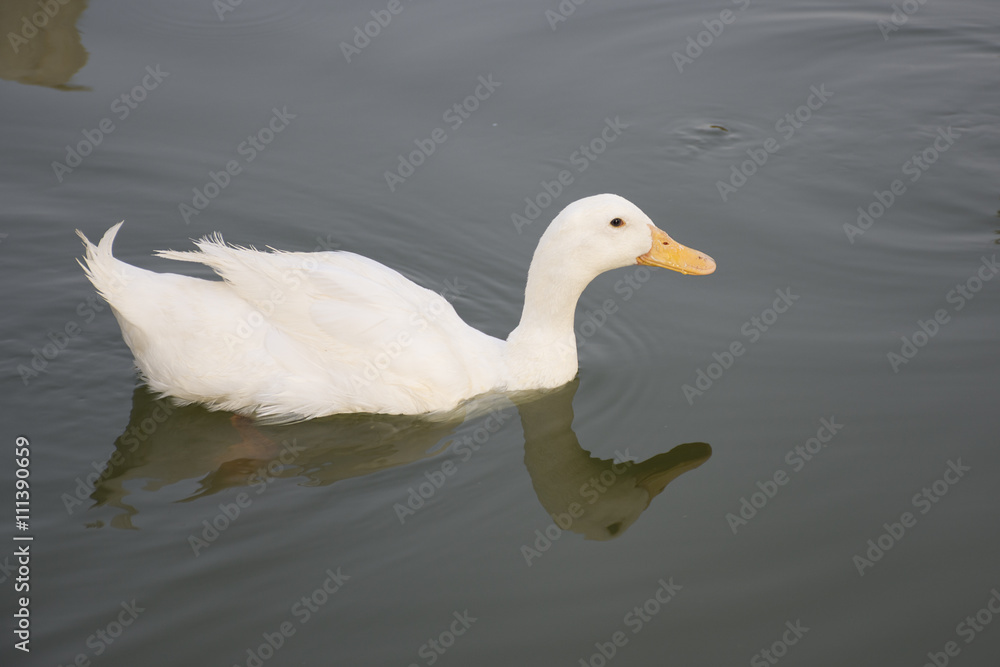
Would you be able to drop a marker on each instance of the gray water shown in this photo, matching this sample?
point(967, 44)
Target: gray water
point(860, 404)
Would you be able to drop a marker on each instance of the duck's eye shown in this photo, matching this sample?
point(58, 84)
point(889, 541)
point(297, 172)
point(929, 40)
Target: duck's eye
point(617, 222)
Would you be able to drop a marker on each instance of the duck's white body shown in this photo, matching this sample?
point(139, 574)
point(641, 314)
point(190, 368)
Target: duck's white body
point(299, 335)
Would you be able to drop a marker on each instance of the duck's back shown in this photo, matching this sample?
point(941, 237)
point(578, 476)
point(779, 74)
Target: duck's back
point(295, 335)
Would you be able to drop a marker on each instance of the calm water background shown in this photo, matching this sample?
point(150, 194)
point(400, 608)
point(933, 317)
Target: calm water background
point(321, 184)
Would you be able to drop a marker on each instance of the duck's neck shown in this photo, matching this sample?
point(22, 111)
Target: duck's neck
point(541, 351)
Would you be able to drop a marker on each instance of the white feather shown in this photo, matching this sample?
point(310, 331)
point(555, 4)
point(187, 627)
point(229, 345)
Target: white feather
point(289, 335)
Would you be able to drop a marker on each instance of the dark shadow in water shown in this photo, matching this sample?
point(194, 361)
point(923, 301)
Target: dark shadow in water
point(164, 444)
point(597, 498)
point(41, 44)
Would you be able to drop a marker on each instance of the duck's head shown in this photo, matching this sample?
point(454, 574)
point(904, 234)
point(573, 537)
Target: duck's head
point(604, 232)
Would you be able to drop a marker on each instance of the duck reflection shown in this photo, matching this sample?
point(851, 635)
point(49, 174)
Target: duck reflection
point(597, 498)
point(212, 451)
point(166, 444)
point(42, 45)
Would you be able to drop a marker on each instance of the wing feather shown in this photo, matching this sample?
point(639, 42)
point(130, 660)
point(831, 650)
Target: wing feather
point(368, 328)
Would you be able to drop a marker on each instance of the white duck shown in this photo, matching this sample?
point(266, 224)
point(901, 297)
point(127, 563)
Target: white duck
point(292, 335)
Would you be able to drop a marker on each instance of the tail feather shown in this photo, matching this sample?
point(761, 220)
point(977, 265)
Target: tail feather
point(106, 273)
point(200, 255)
point(238, 265)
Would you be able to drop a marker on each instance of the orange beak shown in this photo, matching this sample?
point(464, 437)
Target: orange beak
point(670, 254)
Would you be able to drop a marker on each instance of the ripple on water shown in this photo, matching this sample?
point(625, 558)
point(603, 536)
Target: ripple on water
point(615, 360)
point(221, 19)
point(688, 137)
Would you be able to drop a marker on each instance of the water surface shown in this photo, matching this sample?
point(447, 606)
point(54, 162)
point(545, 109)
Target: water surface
point(813, 431)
